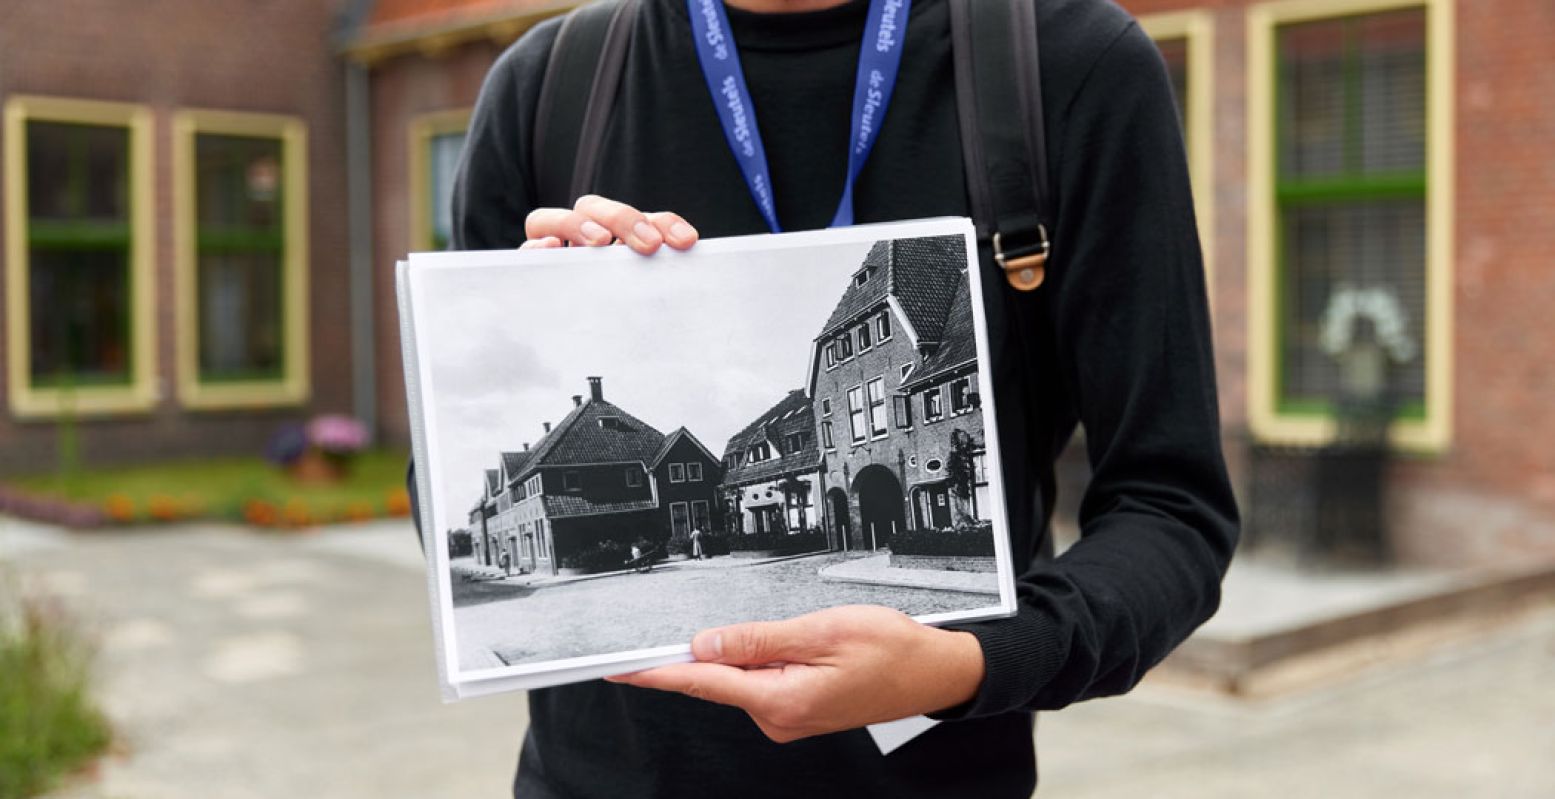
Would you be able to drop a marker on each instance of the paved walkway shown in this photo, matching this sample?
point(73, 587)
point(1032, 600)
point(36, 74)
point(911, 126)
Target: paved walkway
point(877, 569)
point(489, 574)
point(240, 665)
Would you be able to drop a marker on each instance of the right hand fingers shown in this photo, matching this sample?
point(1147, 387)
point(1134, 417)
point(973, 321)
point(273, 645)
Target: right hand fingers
point(595, 221)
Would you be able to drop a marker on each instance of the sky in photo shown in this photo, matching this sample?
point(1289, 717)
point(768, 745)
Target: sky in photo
point(705, 341)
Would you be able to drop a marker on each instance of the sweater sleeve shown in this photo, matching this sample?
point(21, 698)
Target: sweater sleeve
point(1130, 317)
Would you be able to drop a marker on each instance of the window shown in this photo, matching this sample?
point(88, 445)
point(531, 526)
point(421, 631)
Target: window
point(844, 347)
point(864, 341)
point(79, 285)
point(1348, 234)
point(826, 436)
point(677, 473)
point(241, 218)
point(679, 519)
point(902, 405)
point(906, 370)
point(933, 407)
point(571, 481)
point(877, 412)
point(694, 472)
point(826, 406)
point(883, 326)
point(980, 503)
point(700, 518)
point(532, 486)
point(760, 452)
point(856, 414)
point(961, 396)
point(793, 443)
point(861, 277)
point(634, 477)
point(436, 141)
point(831, 357)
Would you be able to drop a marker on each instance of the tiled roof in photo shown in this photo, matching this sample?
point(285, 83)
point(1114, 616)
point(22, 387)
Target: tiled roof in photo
point(958, 346)
point(492, 478)
point(669, 444)
point(921, 273)
point(795, 413)
point(559, 505)
point(596, 432)
point(513, 463)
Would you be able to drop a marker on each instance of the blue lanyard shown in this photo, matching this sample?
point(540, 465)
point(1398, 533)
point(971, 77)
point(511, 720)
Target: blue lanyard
point(880, 58)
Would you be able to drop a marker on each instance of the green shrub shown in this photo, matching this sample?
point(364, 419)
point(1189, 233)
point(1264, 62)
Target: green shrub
point(715, 544)
point(973, 540)
point(603, 556)
point(680, 544)
point(49, 725)
point(779, 542)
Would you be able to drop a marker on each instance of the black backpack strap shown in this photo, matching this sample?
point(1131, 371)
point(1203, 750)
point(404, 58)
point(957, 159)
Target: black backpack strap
point(576, 94)
point(999, 102)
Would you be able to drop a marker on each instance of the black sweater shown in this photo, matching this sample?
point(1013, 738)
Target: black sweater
point(1118, 340)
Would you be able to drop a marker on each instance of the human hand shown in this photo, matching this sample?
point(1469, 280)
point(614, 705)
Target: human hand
point(596, 222)
point(837, 669)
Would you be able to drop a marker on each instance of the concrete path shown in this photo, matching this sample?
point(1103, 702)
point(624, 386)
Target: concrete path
point(237, 664)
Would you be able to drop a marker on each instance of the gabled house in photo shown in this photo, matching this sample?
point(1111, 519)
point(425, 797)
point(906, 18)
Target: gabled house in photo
point(893, 381)
point(599, 475)
point(772, 479)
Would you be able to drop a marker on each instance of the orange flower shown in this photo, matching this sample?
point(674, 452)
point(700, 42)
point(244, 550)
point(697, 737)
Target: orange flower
point(163, 508)
point(399, 503)
point(119, 508)
point(360, 511)
point(259, 512)
point(297, 514)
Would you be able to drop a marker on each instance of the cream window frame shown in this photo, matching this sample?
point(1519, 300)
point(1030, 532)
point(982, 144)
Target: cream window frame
point(142, 393)
point(1433, 433)
point(294, 386)
point(423, 129)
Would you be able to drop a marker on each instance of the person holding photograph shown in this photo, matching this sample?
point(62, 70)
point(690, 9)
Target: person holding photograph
point(1117, 339)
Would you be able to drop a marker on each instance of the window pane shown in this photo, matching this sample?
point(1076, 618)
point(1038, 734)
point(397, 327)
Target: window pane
point(877, 413)
point(79, 315)
point(77, 173)
point(239, 183)
point(1392, 69)
point(1312, 98)
point(1354, 246)
point(240, 315)
point(444, 163)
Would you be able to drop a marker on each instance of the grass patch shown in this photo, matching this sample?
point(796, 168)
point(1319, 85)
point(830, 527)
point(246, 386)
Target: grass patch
point(236, 489)
point(49, 726)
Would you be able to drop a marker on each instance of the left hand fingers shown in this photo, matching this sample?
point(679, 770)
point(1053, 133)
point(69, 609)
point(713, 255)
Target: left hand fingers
point(752, 690)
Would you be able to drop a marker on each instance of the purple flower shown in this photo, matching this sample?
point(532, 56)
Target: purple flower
point(337, 434)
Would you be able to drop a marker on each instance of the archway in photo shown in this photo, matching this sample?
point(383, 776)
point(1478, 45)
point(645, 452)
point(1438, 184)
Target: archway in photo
point(880, 505)
point(841, 522)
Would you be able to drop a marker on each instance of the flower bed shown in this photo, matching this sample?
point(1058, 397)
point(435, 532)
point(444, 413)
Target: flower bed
point(245, 490)
point(606, 556)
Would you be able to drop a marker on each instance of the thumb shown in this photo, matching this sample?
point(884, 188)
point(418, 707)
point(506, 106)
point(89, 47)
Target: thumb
point(756, 643)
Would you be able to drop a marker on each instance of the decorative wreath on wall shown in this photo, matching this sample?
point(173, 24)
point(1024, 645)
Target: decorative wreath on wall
point(1349, 304)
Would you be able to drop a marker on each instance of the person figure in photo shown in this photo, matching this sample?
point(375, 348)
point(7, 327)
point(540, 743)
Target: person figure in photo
point(1117, 338)
point(696, 542)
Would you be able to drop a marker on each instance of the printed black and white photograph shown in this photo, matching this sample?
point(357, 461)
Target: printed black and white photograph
point(623, 451)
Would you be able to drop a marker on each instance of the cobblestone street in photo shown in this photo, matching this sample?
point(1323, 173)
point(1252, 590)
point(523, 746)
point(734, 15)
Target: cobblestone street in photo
point(665, 606)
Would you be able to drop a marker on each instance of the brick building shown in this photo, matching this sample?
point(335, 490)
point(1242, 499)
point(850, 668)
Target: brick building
point(175, 269)
point(600, 474)
point(894, 385)
point(1359, 165)
point(771, 475)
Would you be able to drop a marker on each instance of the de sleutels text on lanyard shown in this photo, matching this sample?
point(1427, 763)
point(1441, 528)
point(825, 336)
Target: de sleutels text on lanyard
point(880, 56)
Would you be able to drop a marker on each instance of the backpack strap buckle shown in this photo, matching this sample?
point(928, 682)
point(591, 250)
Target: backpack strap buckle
point(1024, 262)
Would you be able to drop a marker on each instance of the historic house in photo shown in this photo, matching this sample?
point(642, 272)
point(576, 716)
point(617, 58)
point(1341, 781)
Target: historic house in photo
point(772, 479)
point(893, 382)
point(599, 475)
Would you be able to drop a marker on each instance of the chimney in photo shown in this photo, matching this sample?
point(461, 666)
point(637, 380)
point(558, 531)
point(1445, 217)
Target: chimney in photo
point(597, 388)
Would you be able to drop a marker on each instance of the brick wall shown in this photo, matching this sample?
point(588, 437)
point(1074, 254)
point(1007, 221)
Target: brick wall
point(272, 57)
